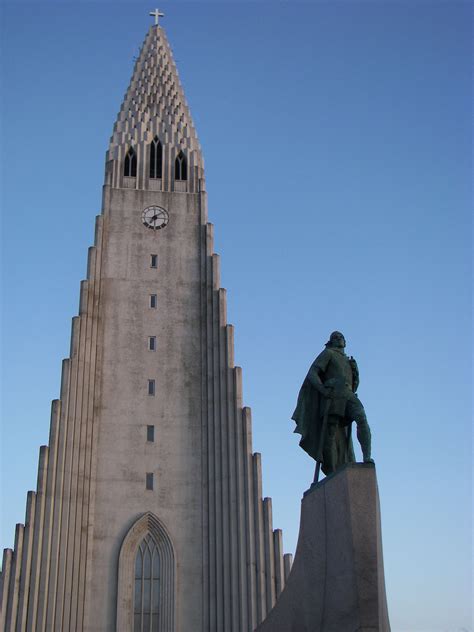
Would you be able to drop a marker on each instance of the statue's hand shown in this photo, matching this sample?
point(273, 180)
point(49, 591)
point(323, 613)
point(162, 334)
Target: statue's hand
point(328, 392)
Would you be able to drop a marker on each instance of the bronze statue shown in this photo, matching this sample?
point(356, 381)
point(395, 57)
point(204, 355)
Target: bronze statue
point(327, 406)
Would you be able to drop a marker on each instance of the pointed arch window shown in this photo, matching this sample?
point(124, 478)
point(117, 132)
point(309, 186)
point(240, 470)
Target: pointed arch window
point(146, 588)
point(130, 164)
point(146, 600)
point(156, 158)
point(180, 167)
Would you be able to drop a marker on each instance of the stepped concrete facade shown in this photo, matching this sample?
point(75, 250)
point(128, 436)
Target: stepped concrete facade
point(148, 512)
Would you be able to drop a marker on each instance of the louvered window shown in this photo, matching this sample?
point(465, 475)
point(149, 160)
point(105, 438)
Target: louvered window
point(130, 164)
point(180, 167)
point(156, 158)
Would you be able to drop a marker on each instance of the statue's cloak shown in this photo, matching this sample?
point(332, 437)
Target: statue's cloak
point(309, 417)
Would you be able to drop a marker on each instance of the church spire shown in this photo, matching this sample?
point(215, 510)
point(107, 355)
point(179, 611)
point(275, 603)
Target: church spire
point(154, 124)
point(148, 512)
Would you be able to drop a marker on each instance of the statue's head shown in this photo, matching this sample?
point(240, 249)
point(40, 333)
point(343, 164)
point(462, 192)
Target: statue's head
point(336, 339)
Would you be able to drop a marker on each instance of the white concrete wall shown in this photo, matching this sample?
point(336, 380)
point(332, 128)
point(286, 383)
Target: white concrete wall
point(124, 408)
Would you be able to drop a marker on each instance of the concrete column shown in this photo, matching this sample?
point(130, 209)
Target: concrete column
point(269, 553)
point(278, 556)
point(209, 242)
point(259, 540)
point(71, 558)
point(14, 587)
point(287, 563)
point(191, 184)
point(249, 520)
point(4, 584)
point(216, 272)
point(205, 425)
point(93, 430)
point(118, 166)
point(89, 414)
point(37, 539)
point(240, 448)
point(142, 164)
point(211, 432)
point(78, 554)
point(48, 515)
point(227, 527)
point(86, 417)
point(167, 167)
point(26, 562)
point(97, 232)
point(67, 487)
point(56, 508)
point(230, 450)
point(220, 589)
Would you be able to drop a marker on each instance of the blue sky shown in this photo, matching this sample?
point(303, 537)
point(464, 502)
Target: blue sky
point(337, 140)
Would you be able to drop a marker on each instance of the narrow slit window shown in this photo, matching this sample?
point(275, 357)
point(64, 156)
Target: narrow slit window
point(153, 261)
point(130, 164)
point(149, 480)
point(150, 433)
point(151, 387)
point(156, 158)
point(180, 167)
point(153, 301)
point(152, 343)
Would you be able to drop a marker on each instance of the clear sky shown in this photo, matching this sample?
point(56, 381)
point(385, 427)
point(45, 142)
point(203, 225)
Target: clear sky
point(337, 139)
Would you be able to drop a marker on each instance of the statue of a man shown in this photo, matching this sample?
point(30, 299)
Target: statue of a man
point(327, 406)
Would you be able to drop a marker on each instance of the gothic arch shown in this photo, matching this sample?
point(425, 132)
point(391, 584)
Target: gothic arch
point(148, 524)
point(130, 164)
point(156, 158)
point(181, 167)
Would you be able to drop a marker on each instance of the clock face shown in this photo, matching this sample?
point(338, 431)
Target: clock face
point(155, 217)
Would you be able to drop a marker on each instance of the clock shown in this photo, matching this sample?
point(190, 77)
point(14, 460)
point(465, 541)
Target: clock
point(155, 217)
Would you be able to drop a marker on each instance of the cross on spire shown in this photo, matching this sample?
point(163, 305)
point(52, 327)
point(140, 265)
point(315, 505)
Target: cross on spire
point(157, 15)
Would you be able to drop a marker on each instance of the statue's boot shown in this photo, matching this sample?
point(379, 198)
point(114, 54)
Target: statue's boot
point(365, 439)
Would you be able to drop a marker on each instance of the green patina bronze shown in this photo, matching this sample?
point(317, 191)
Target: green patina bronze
point(327, 406)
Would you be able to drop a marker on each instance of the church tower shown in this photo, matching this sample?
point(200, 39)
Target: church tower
point(148, 514)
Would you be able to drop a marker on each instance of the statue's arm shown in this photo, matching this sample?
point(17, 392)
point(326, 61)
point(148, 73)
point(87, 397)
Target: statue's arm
point(355, 374)
point(316, 373)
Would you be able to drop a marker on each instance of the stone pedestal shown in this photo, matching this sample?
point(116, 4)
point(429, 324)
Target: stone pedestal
point(337, 581)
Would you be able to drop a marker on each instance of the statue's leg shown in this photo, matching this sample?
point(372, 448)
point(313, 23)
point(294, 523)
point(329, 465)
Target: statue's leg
point(356, 411)
point(330, 452)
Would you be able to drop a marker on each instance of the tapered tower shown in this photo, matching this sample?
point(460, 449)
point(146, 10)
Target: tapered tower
point(148, 513)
